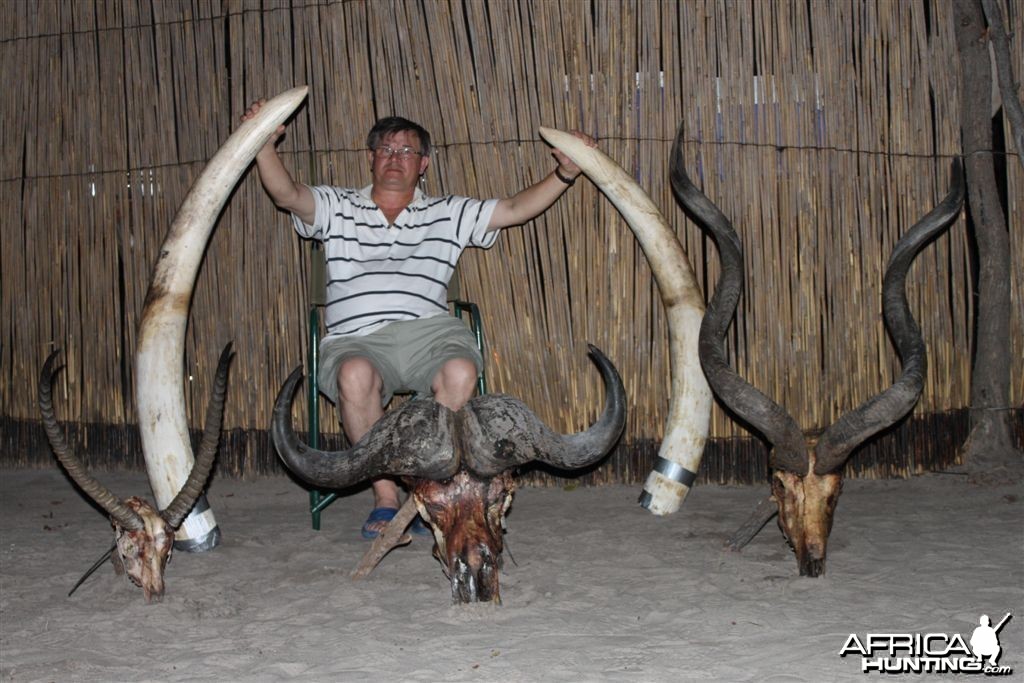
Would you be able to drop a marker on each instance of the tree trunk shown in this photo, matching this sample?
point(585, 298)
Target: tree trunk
point(989, 453)
point(1004, 69)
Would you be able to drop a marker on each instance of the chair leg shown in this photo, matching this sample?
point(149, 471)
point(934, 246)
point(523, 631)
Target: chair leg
point(477, 328)
point(314, 507)
point(313, 405)
point(318, 500)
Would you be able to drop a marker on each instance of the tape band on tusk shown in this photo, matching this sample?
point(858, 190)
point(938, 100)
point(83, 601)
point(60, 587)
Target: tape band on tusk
point(672, 471)
point(675, 472)
point(201, 505)
point(201, 544)
point(202, 531)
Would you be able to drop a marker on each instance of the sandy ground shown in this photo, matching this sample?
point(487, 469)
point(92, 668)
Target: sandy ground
point(599, 589)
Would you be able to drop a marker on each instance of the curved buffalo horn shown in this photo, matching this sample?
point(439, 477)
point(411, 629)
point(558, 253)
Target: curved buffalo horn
point(120, 512)
point(500, 432)
point(789, 450)
point(159, 356)
point(884, 409)
point(689, 417)
point(186, 498)
point(414, 440)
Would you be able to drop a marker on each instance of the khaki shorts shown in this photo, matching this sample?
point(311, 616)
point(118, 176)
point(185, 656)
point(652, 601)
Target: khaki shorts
point(406, 353)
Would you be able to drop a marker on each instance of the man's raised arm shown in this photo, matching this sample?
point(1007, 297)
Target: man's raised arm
point(277, 181)
point(534, 200)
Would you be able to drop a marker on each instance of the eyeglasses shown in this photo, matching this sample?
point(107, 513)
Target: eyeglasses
point(403, 153)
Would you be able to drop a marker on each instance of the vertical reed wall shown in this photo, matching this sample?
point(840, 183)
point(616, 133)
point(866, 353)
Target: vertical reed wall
point(822, 129)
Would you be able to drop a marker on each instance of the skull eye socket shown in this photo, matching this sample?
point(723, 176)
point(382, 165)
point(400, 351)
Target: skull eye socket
point(435, 511)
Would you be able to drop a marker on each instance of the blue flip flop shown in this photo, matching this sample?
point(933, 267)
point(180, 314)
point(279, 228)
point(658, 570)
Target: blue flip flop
point(377, 515)
point(419, 527)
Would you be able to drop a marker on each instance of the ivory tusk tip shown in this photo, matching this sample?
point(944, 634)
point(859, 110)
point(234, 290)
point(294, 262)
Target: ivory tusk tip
point(552, 135)
point(298, 92)
point(590, 159)
point(290, 99)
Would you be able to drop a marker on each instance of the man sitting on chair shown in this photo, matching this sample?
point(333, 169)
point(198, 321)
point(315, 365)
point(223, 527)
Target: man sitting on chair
point(391, 251)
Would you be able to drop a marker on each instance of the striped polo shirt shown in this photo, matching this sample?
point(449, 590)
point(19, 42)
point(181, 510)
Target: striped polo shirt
point(379, 273)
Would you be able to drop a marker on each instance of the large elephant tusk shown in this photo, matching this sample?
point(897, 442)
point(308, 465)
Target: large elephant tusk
point(159, 385)
point(689, 416)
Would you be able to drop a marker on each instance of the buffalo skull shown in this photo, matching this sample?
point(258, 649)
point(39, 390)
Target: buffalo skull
point(807, 468)
point(457, 466)
point(143, 535)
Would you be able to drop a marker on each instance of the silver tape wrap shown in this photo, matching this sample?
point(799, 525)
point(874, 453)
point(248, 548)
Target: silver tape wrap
point(672, 471)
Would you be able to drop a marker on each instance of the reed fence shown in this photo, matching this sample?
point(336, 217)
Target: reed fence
point(824, 130)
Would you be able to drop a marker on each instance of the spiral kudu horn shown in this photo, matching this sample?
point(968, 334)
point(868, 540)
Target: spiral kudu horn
point(159, 356)
point(807, 469)
point(686, 428)
point(779, 428)
point(887, 407)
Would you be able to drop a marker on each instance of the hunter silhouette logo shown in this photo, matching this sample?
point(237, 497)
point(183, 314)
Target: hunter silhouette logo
point(931, 652)
point(985, 639)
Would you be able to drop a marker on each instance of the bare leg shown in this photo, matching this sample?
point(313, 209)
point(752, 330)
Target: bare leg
point(359, 386)
point(454, 383)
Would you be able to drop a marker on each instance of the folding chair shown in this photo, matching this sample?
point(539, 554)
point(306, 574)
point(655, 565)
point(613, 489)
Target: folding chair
point(320, 499)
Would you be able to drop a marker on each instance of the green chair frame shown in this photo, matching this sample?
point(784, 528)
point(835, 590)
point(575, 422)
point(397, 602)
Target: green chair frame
point(320, 499)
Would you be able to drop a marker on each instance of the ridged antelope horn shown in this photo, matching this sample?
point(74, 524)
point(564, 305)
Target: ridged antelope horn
point(686, 428)
point(159, 386)
point(175, 513)
point(123, 514)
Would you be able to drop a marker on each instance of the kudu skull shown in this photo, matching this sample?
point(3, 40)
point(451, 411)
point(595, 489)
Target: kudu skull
point(457, 465)
point(807, 468)
point(143, 535)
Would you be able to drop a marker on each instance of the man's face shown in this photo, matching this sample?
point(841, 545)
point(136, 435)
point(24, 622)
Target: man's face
point(398, 171)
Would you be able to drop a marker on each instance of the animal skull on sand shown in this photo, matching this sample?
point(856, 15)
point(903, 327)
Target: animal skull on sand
point(807, 468)
point(457, 465)
point(144, 535)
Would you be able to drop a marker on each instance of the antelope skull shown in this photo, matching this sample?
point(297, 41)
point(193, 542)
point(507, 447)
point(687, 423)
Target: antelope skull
point(457, 465)
point(144, 535)
point(807, 468)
